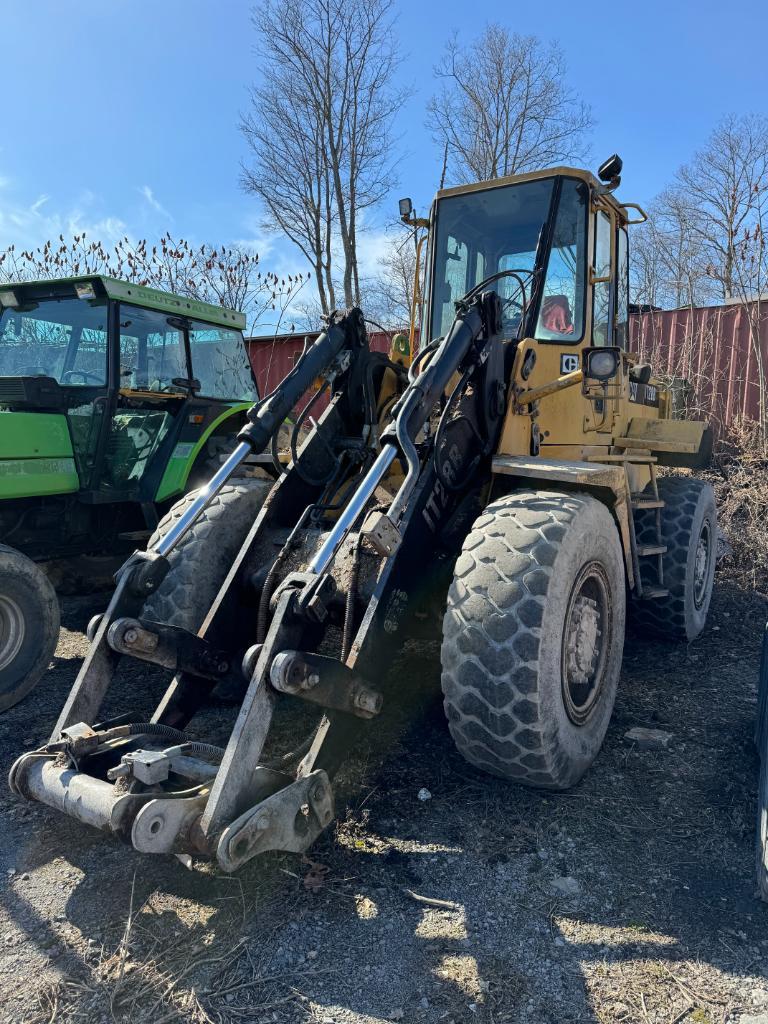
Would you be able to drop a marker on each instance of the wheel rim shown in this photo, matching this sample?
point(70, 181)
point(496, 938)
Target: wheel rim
point(585, 643)
point(11, 630)
point(702, 564)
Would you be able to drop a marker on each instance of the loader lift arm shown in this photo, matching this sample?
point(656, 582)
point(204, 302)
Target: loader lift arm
point(244, 804)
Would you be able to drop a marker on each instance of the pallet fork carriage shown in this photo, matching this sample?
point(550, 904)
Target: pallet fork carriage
point(505, 483)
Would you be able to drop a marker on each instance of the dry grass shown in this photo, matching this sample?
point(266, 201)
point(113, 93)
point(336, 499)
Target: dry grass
point(740, 477)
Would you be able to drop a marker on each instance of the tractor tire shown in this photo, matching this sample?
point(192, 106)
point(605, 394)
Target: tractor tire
point(689, 531)
point(533, 637)
point(29, 625)
point(201, 561)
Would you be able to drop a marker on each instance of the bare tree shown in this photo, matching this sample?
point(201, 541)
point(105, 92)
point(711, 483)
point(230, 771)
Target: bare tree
point(504, 106)
point(319, 127)
point(389, 295)
point(750, 281)
point(722, 187)
point(670, 266)
point(227, 276)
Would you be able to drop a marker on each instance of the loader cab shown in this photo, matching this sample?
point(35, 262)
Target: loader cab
point(554, 246)
point(564, 237)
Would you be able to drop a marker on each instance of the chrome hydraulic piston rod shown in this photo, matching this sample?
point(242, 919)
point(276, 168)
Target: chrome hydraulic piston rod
point(267, 416)
point(357, 503)
point(413, 411)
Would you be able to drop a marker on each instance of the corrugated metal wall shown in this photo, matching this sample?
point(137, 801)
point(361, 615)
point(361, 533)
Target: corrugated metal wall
point(715, 348)
point(718, 349)
point(273, 357)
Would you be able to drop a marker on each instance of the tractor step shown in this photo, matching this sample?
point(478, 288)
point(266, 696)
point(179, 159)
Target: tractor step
point(651, 549)
point(643, 501)
point(650, 593)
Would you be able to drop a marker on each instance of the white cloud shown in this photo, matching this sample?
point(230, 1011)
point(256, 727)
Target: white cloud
point(154, 202)
point(39, 203)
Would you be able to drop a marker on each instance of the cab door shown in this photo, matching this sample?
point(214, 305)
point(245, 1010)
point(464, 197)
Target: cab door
point(151, 354)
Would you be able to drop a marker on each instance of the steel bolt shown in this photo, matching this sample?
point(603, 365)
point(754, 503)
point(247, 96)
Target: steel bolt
point(130, 636)
point(368, 700)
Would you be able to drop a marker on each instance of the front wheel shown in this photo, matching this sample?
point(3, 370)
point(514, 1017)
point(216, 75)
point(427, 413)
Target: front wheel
point(204, 556)
point(29, 625)
point(533, 637)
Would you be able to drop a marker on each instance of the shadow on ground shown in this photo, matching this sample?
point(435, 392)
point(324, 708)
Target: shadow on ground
point(631, 898)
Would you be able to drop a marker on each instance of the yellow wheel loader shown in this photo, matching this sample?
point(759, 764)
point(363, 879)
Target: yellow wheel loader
point(508, 503)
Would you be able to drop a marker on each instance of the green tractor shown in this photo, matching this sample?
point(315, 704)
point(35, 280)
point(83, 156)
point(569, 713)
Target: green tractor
point(115, 399)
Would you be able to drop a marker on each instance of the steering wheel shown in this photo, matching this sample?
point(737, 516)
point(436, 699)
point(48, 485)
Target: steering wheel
point(515, 303)
point(65, 377)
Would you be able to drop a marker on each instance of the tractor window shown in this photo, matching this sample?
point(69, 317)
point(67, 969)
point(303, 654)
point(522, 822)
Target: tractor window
point(61, 338)
point(220, 363)
point(601, 301)
point(151, 351)
point(483, 232)
point(622, 291)
point(561, 314)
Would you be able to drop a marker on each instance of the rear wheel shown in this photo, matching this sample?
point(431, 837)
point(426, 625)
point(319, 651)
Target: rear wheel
point(533, 637)
point(689, 531)
point(201, 561)
point(29, 625)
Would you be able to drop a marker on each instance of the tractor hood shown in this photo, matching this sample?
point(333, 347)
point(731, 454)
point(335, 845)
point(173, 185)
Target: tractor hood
point(36, 456)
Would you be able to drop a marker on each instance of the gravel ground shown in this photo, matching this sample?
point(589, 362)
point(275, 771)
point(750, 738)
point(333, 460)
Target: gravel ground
point(631, 898)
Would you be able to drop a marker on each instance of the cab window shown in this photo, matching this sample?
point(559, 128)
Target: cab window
point(220, 363)
point(622, 291)
point(561, 314)
point(481, 233)
point(152, 352)
point(601, 299)
point(62, 338)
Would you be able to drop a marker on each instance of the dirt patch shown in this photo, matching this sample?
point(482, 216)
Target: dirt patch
point(628, 899)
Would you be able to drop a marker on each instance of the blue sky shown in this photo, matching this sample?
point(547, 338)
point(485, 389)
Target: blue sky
point(120, 116)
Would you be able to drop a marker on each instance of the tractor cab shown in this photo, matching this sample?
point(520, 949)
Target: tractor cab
point(129, 377)
point(115, 400)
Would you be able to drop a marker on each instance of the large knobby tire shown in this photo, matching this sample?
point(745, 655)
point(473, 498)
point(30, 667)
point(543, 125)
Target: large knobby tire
point(201, 561)
point(689, 531)
point(29, 625)
point(533, 637)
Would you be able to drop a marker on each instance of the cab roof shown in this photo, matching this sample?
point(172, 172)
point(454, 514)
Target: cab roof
point(138, 294)
point(549, 172)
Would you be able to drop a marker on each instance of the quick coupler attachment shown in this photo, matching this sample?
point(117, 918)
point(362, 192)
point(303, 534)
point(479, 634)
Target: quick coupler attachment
point(156, 799)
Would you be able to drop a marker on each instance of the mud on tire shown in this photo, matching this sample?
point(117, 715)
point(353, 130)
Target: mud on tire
point(688, 520)
point(202, 559)
point(532, 562)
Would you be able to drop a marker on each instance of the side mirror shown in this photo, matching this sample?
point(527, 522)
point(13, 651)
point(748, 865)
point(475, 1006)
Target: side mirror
point(406, 208)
